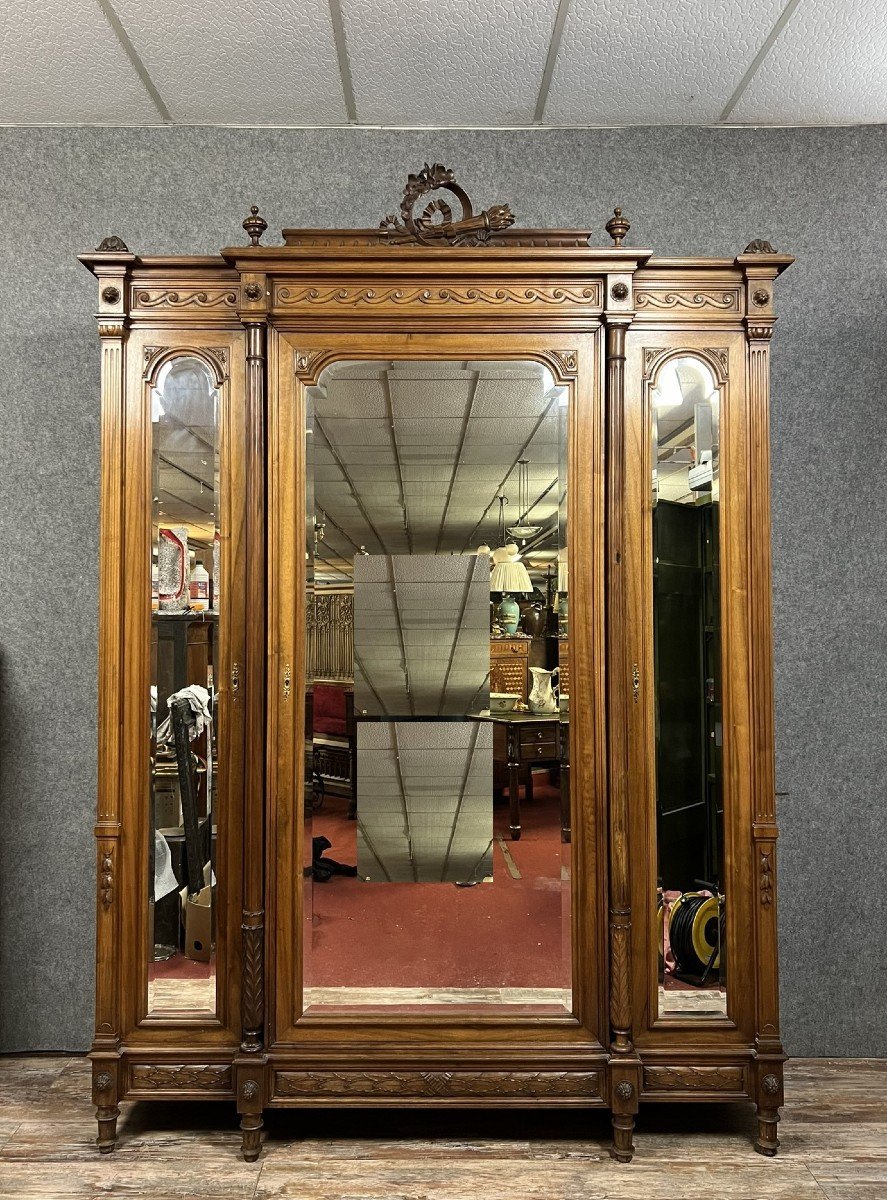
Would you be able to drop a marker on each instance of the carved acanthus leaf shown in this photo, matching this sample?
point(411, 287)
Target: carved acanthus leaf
point(186, 1077)
point(106, 878)
point(692, 1078)
point(766, 878)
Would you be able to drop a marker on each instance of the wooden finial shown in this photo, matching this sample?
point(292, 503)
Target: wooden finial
point(617, 226)
point(255, 225)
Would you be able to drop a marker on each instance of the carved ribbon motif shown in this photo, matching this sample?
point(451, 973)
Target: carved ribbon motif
point(435, 224)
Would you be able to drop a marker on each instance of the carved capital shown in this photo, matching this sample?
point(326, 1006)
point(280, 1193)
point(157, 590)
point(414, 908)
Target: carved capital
point(759, 333)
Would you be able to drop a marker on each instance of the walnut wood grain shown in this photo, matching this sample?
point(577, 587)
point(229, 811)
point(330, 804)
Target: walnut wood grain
point(268, 319)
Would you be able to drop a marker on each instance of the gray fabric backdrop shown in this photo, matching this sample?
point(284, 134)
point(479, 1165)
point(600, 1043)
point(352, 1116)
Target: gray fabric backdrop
point(820, 194)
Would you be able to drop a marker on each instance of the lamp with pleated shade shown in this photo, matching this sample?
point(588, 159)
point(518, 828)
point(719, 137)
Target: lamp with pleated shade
point(509, 576)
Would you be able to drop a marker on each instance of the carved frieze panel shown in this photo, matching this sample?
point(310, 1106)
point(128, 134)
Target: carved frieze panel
point(502, 1085)
point(181, 1077)
point(185, 301)
point(690, 1078)
point(452, 299)
point(682, 301)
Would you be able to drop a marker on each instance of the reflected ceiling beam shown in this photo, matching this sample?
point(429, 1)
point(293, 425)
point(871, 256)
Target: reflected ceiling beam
point(338, 528)
point(137, 65)
point(554, 47)
point(457, 462)
point(389, 408)
point(469, 761)
point(392, 583)
point(350, 482)
point(457, 633)
point(176, 499)
point(168, 462)
point(470, 539)
point(368, 842)
point(408, 829)
point(368, 681)
point(753, 69)
point(343, 60)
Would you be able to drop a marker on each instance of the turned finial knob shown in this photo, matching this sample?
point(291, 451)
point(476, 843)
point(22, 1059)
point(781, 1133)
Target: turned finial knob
point(617, 226)
point(255, 225)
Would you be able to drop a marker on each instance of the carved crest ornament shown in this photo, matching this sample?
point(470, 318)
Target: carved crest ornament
point(434, 224)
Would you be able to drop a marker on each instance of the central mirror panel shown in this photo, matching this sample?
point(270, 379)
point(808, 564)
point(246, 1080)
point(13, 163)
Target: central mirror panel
point(437, 809)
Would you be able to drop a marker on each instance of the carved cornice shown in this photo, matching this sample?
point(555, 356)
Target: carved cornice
point(726, 299)
point(690, 1078)
point(188, 1077)
point(499, 1084)
point(288, 297)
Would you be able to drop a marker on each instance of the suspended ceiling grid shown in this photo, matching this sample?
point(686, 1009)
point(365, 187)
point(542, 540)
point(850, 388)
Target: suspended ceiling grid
point(506, 63)
point(409, 458)
point(424, 804)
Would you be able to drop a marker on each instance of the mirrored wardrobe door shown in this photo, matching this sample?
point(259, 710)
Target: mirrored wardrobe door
point(193, 725)
point(437, 643)
point(677, 398)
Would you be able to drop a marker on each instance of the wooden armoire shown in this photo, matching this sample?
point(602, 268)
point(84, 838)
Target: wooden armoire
point(350, 410)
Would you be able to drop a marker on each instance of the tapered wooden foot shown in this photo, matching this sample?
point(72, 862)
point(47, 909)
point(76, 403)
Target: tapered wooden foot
point(767, 1142)
point(251, 1126)
point(107, 1115)
point(623, 1129)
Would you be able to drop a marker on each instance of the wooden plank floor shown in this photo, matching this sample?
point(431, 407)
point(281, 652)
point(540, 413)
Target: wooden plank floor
point(834, 1145)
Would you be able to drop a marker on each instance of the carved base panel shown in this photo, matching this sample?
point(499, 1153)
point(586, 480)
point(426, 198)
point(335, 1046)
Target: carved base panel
point(164, 1080)
point(320, 1087)
point(692, 1081)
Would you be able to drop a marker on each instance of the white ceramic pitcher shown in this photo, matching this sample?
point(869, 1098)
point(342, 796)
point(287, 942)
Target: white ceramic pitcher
point(543, 696)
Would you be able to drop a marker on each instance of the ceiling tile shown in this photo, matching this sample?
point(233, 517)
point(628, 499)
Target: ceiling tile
point(828, 65)
point(655, 63)
point(268, 64)
point(457, 63)
point(63, 63)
